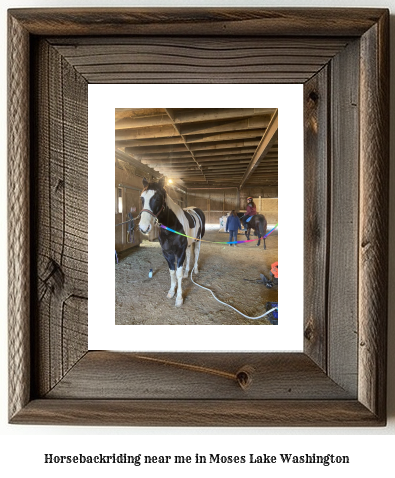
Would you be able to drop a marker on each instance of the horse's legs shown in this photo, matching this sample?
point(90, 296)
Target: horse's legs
point(172, 289)
point(197, 252)
point(179, 299)
point(264, 243)
point(259, 240)
point(170, 261)
point(179, 271)
point(188, 258)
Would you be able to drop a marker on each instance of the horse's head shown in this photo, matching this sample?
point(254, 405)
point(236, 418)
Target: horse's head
point(153, 200)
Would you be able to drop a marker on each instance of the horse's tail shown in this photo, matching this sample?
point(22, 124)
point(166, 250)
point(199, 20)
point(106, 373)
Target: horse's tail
point(262, 225)
point(200, 213)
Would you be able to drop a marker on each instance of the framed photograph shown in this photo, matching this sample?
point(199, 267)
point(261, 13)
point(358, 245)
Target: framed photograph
point(341, 59)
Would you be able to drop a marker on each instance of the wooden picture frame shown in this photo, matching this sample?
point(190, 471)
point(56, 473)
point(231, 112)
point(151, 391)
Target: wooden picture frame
point(342, 58)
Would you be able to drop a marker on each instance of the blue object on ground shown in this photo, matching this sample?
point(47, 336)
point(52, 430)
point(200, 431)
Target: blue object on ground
point(273, 316)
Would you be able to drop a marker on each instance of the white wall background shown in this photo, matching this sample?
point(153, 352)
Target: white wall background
point(370, 450)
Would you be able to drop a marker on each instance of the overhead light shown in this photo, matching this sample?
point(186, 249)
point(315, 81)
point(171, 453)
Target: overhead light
point(170, 181)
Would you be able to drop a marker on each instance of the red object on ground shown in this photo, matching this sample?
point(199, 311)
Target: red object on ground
point(274, 269)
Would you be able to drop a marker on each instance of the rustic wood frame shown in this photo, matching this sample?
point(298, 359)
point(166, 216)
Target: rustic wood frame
point(340, 378)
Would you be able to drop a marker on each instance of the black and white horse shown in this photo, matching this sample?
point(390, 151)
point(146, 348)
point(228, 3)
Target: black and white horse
point(157, 206)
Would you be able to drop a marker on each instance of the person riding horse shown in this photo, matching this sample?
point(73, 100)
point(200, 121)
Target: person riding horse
point(251, 211)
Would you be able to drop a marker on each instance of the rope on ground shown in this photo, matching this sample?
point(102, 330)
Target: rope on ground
point(224, 303)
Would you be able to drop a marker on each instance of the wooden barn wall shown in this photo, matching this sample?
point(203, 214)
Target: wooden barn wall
point(216, 202)
point(213, 202)
point(125, 176)
point(269, 208)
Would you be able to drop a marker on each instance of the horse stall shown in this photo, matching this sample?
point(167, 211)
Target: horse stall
point(228, 288)
point(128, 188)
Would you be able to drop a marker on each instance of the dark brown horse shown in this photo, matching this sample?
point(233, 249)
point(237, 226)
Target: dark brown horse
point(259, 224)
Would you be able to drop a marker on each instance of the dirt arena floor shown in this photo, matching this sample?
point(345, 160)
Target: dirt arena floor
point(140, 300)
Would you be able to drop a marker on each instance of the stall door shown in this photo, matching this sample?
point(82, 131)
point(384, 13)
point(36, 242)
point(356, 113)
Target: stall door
point(127, 200)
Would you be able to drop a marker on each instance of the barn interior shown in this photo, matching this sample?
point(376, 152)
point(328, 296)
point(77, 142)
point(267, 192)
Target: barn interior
point(212, 159)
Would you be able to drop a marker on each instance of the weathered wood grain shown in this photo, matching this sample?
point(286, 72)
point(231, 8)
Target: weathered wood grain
point(61, 199)
point(331, 22)
point(344, 216)
point(161, 59)
point(373, 227)
point(316, 215)
point(18, 218)
point(202, 413)
point(197, 376)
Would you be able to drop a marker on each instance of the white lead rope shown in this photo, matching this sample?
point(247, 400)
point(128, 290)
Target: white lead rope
point(224, 303)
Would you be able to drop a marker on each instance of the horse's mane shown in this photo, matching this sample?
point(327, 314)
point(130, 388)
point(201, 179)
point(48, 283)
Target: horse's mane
point(180, 214)
point(178, 211)
point(172, 205)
